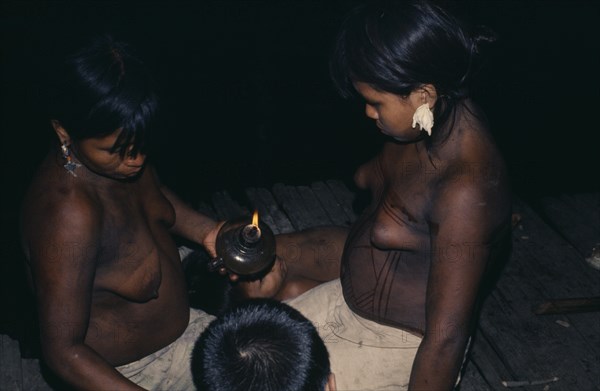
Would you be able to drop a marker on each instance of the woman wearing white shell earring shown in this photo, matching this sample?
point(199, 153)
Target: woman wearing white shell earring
point(424, 118)
point(433, 202)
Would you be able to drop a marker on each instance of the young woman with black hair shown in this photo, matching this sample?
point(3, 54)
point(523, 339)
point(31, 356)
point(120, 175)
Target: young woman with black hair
point(439, 220)
point(96, 230)
point(440, 210)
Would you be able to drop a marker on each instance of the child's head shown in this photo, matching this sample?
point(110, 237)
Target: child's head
point(261, 345)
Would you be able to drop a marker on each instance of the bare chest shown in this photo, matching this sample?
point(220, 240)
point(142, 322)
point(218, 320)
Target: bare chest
point(400, 205)
point(135, 246)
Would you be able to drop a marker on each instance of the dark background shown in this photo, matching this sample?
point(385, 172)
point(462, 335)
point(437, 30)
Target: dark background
point(246, 98)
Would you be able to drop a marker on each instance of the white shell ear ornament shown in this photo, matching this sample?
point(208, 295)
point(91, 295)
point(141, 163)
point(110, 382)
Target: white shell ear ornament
point(424, 118)
point(70, 165)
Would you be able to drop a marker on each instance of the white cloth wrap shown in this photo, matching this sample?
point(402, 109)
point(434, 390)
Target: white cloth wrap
point(364, 355)
point(170, 367)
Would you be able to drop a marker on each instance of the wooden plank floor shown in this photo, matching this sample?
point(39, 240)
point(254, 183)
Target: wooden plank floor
point(512, 346)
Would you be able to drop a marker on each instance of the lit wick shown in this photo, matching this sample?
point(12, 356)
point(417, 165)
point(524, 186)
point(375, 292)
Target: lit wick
point(251, 232)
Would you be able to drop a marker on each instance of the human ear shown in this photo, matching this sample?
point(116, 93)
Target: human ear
point(429, 94)
point(330, 385)
point(61, 133)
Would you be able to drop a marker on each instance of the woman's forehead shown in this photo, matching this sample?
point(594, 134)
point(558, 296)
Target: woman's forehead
point(370, 92)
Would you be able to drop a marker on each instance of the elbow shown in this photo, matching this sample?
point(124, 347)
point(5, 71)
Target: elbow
point(54, 360)
point(60, 360)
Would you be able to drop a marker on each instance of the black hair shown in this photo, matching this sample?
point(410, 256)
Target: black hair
point(399, 46)
point(101, 88)
point(263, 345)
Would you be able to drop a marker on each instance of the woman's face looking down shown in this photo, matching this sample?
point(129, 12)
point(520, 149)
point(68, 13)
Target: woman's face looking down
point(393, 114)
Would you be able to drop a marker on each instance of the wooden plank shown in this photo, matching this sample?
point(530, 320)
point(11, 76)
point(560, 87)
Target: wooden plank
point(313, 207)
point(473, 380)
point(588, 200)
point(32, 376)
point(513, 344)
point(587, 325)
point(10, 364)
point(226, 208)
point(576, 217)
point(488, 361)
point(557, 264)
point(264, 213)
point(344, 196)
point(265, 203)
point(331, 204)
point(558, 271)
point(535, 347)
point(293, 205)
point(518, 340)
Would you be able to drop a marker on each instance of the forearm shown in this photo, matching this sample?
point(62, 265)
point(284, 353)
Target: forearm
point(304, 259)
point(189, 223)
point(437, 365)
point(81, 367)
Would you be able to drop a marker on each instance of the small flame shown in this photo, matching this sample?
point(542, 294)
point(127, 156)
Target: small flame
point(255, 218)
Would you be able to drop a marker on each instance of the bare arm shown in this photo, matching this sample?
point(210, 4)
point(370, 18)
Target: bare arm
point(190, 223)
point(370, 174)
point(462, 227)
point(304, 260)
point(314, 253)
point(63, 253)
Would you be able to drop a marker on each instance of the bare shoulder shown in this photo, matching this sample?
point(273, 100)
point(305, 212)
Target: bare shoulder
point(56, 213)
point(149, 177)
point(363, 174)
point(150, 184)
point(474, 186)
point(370, 174)
point(474, 204)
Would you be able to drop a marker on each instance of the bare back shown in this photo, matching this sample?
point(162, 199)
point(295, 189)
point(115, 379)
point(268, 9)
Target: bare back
point(387, 262)
point(104, 268)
